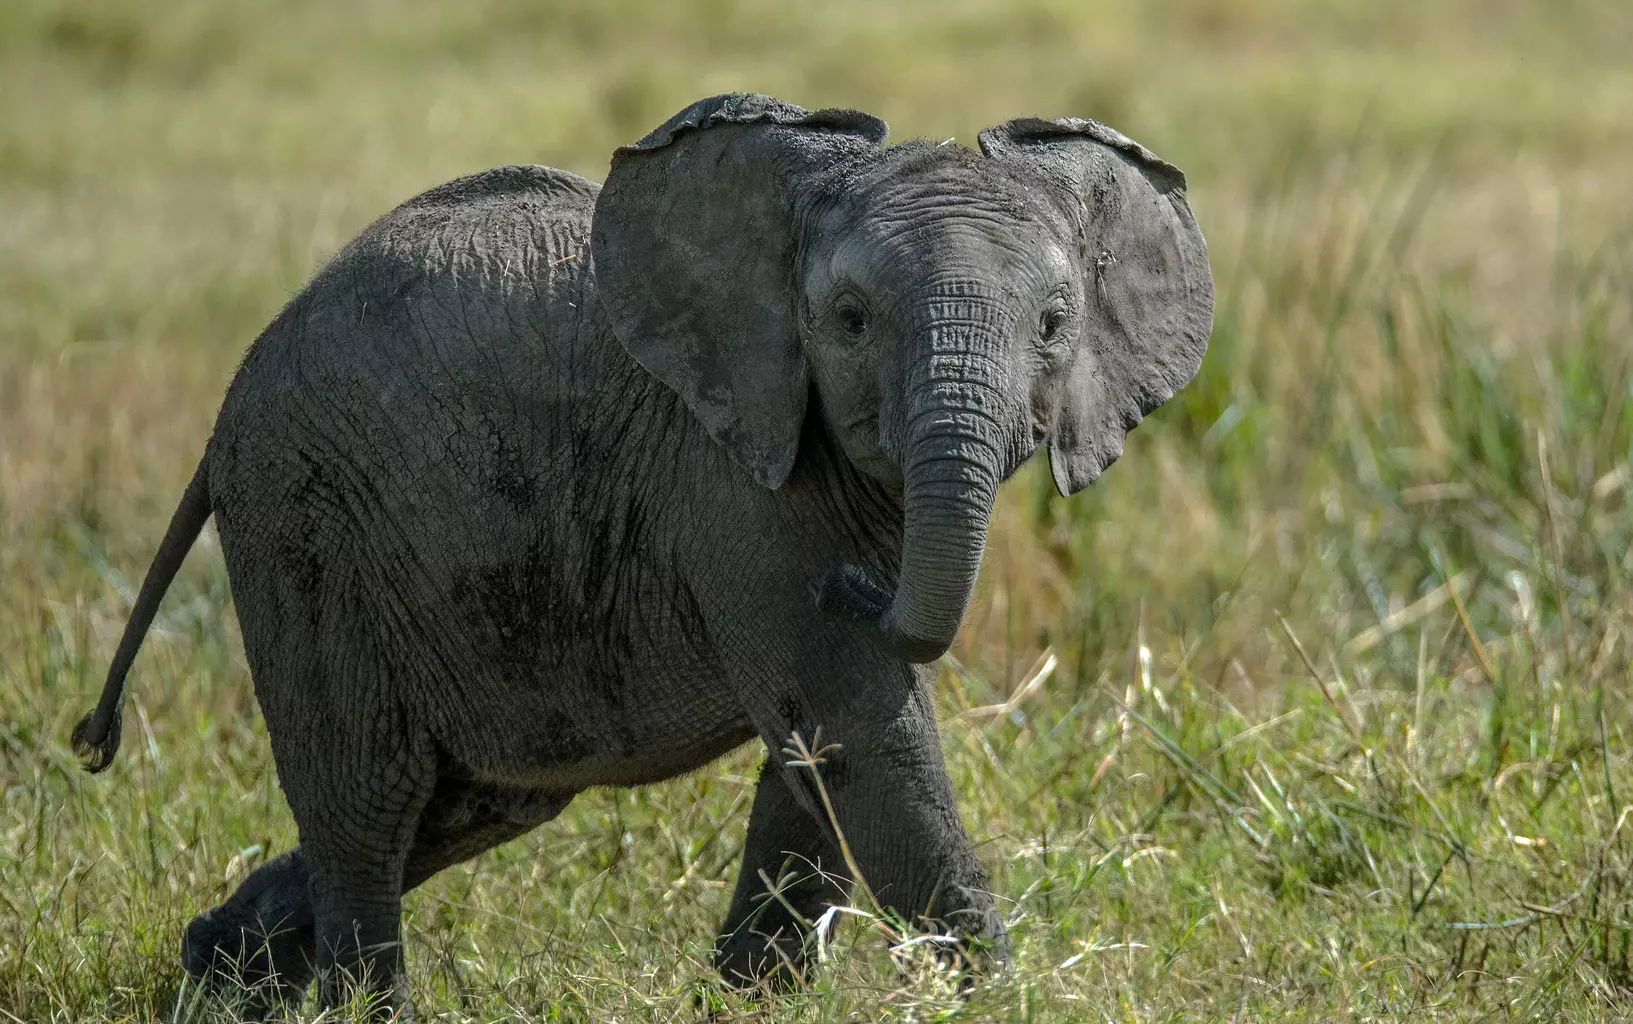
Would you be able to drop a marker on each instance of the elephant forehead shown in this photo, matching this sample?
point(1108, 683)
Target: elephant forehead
point(963, 249)
point(938, 215)
point(925, 195)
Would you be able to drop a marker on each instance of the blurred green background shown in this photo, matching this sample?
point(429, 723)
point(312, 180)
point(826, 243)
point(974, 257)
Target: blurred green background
point(1423, 242)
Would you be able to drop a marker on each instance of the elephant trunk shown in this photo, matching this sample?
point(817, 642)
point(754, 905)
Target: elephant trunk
point(951, 480)
point(953, 458)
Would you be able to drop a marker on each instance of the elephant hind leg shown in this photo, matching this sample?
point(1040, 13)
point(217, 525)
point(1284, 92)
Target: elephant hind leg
point(259, 941)
point(358, 836)
point(357, 771)
point(263, 941)
point(357, 860)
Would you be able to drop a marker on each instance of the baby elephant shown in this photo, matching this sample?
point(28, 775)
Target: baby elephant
point(542, 485)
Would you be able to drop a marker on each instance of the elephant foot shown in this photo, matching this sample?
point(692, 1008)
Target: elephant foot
point(364, 995)
point(748, 959)
point(984, 946)
point(257, 948)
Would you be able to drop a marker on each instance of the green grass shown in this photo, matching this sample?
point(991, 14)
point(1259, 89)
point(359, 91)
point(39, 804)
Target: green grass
point(1408, 449)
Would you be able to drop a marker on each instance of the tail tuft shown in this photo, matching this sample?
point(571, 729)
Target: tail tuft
point(95, 747)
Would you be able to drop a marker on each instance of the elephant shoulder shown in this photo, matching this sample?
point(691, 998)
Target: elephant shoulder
point(545, 191)
point(507, 217)
point(509, 244)
point(468, 284)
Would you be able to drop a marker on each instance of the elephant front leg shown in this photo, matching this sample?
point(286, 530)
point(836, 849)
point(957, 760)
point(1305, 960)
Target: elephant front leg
point(791, 873)
point(877, 762)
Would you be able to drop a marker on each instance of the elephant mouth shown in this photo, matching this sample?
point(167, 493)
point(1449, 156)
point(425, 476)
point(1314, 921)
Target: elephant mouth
point(861, 443)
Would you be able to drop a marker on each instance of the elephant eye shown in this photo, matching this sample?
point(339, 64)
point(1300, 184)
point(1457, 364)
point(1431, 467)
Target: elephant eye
point(852, 317)
point(1051, 325)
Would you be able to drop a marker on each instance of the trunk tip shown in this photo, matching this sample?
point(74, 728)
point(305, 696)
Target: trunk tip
point(850, 593)
point(915, 650)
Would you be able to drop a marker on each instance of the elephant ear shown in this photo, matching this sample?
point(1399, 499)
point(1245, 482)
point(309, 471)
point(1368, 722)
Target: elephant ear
point(694, 243)
point(1147, 285)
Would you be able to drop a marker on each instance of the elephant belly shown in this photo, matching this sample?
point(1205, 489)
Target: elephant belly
point(567, 693)
point(571, 732)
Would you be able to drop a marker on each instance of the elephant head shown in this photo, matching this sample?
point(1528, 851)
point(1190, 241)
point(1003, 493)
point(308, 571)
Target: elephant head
point(953, 311)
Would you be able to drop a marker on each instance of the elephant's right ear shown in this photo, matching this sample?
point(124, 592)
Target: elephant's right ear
point(694, 248)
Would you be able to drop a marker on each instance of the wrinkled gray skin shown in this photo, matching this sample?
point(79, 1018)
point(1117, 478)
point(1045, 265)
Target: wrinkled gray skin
point(539, 486)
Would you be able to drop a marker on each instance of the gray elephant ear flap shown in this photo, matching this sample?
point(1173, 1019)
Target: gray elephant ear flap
point(1147, 285)
point(694, 243)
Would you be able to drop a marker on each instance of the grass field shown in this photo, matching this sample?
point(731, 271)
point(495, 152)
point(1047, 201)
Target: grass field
point(1335, 723)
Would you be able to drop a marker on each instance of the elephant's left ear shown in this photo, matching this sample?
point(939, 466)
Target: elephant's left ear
point(1146, 282)
point(696, 243)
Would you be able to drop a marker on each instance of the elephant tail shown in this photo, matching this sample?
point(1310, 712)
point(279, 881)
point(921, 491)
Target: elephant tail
point(96, 737)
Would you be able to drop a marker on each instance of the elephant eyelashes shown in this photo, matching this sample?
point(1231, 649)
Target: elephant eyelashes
point(853, 319)
point(1052, 323)
point(1051, 327)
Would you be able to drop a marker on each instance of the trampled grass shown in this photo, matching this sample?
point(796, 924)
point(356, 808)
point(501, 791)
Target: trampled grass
point(1312, 709)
